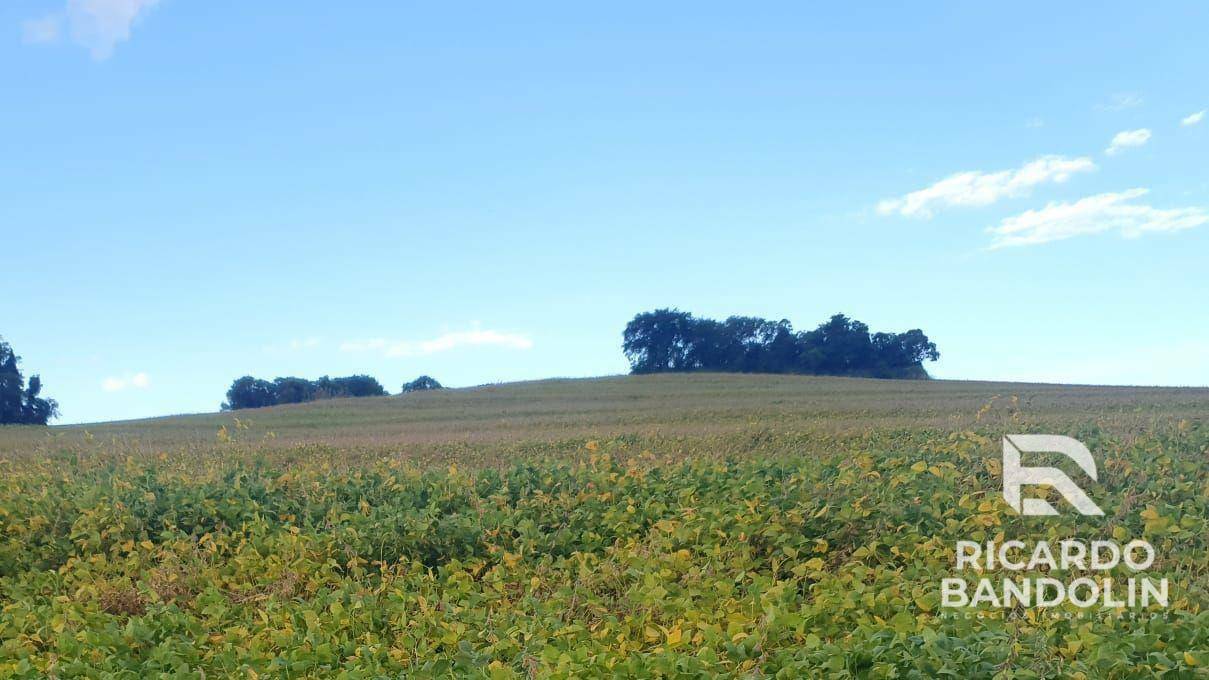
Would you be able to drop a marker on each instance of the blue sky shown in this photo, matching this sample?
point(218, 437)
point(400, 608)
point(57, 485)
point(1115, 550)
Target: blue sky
point(193, 191)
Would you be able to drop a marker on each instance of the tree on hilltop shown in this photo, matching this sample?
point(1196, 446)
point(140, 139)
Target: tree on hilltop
point(250, 392)
point(672, 340)
point(421, 384)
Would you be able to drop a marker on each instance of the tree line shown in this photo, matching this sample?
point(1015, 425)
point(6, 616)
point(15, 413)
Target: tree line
point(250, 392)
point(21, 404)
point(671, 340)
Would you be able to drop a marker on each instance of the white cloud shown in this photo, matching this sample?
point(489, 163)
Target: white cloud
point(1193, 119)
point(293, 345)
point(1123, 100)
point(40, 31)
point(138, 381)
point(1035, 122)
point(1093, 215)
point(1126, 139)
point(978, 188)
point(442, 343)
point(98, 25)
point(363, 345)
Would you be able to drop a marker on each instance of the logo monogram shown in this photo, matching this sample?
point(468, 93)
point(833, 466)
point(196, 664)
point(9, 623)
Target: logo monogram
point(1015, 475)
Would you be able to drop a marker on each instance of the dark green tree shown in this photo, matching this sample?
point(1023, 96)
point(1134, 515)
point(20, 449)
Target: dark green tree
point(20, 404)
point(748, 339)
point(901, 355)
point(357, 386)
point(421, 384)
point(841, 346)
point(293, 390)
point(249, 392)
point(660, 341)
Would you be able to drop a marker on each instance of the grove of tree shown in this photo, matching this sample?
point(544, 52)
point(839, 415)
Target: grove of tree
point(672, 340)
point(250, 392)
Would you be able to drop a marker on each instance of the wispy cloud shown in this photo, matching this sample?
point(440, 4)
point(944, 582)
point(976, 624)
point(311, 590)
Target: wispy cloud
point(1127, 139)
point(1034, 122)
point(1193, 119)
point(441, 343)
point(1093, 215)
point(979, 188)
point(42, 31)
point(1123, 100)
point(137, 381)
point(97, 25)
point(294, 345)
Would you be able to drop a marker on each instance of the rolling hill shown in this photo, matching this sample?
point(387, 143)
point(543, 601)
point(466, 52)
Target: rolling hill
point(671, 526)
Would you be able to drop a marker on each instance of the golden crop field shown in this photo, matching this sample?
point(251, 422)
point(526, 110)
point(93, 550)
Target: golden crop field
point(657, 526)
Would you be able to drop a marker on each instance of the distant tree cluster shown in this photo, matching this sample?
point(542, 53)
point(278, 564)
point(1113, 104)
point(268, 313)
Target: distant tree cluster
point(422, 383)
point(249, 392)
point(671, 340)
point(19, 404)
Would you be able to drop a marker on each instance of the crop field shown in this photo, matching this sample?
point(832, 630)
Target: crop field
point(673, 526)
